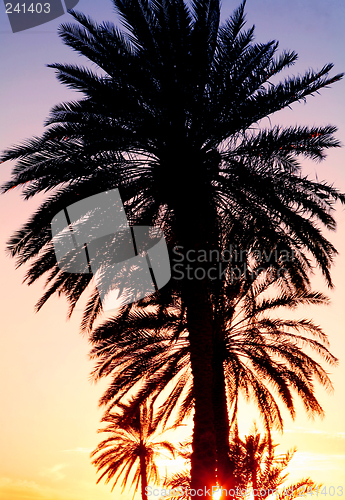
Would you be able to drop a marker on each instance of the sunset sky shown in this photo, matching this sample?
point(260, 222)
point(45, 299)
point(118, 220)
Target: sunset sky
point(49, 409)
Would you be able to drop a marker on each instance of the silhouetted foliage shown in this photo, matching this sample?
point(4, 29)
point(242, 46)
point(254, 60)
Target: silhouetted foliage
point(130, 447)
point(172, 117)
point(257, 470)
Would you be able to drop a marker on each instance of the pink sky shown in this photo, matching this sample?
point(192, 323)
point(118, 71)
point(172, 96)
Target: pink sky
point(49, 413)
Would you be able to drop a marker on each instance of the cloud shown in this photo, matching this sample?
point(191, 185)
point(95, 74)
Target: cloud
point(54, 472)
point(24, 489)
point(306, 430)
point(317, 461)
point(79, 450)
point(17, 489)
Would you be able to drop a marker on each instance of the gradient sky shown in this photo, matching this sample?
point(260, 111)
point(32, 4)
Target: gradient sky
point(49, 414)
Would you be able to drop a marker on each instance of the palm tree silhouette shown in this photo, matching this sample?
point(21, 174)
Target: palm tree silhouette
point(169, 118)
point(130, 447)
point(257, 469)
point(259, 356)
point(257, 465)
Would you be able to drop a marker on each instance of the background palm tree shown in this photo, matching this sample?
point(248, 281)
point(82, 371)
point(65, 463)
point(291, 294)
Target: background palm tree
point(168, 119)
point(130, 447)
point(257, 469)
point(257, 465)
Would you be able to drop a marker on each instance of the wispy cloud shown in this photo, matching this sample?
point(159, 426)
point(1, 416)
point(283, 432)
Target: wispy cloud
point(12, 489)
point(15, 489)
point(55, 472)
point(79, 450)
point(306, 430)
point(317, 461)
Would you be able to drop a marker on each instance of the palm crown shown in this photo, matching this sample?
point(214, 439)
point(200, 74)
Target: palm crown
point(132, 446)
point(170, 121)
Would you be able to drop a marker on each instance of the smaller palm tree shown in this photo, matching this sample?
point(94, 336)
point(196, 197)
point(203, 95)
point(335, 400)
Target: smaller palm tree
point(131, 446)
point(257, 470)
point(257, 465)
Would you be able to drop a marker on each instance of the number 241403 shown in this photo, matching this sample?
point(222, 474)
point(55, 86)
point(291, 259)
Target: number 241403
point(319, 490)
point(33, 8)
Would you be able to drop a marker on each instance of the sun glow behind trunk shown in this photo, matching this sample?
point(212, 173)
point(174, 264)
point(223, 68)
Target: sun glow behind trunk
point(217, 494)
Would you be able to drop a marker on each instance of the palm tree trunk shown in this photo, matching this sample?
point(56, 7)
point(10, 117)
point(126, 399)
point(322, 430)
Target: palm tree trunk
point(195, 218)
point(143, 474)
point(142, 456)
point(225, 468)
point(199, 317)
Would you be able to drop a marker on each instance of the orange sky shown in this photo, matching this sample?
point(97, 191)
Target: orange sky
point(49, 413)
